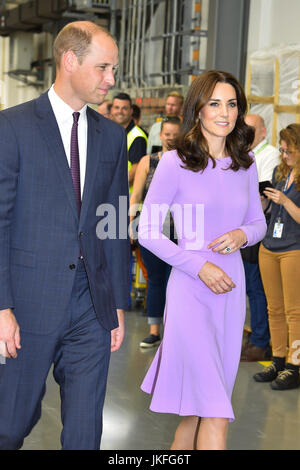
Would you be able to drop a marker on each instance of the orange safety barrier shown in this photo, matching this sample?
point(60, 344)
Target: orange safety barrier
point(141, 264)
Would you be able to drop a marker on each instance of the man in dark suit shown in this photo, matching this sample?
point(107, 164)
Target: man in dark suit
point(63, 288)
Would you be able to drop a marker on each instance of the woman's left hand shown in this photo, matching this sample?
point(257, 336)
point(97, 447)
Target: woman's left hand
point(229, 242)
point(275, 195)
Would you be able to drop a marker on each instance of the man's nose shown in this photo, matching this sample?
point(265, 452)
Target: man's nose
point(110, 78)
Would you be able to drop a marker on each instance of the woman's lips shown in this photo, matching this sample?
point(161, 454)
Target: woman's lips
point(221, 123)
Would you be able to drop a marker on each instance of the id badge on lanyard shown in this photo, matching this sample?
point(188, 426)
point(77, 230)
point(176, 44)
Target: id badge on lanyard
point(278, 226)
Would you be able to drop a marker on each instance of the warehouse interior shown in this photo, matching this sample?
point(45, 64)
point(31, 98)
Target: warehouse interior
point(163, 46)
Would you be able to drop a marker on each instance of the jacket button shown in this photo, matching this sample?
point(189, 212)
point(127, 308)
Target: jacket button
point(72, 266)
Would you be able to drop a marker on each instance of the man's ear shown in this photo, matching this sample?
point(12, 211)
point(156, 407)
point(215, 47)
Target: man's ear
point(69, 61)
point(264, 132)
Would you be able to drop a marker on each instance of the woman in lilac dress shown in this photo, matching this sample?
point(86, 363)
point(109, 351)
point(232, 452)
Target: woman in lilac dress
point(210, 185)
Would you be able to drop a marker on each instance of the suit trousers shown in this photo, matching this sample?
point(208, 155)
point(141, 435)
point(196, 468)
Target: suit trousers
point(79, 352)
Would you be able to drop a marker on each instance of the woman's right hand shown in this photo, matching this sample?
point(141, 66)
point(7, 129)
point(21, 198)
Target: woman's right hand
point(216, 279)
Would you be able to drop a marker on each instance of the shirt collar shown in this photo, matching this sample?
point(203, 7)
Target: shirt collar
point(130, 126)
point(63, 112)
point(259, 146)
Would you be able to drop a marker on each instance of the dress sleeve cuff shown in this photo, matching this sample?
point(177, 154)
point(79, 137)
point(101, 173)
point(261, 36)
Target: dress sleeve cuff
point(244, 229)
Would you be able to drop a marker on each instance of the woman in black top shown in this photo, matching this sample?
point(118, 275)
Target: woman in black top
point(279, 261)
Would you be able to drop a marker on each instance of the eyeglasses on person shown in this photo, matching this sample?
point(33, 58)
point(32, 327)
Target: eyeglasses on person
point(287, 152)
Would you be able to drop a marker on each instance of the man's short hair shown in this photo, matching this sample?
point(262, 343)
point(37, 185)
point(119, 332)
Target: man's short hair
point(176, 94)
point(77, 37)
point(124, 97)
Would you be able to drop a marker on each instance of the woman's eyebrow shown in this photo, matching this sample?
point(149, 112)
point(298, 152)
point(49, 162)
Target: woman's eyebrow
point(217, 99)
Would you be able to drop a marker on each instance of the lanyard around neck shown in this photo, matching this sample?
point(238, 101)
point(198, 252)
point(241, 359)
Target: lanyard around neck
point(287, 182)
point(284, 191)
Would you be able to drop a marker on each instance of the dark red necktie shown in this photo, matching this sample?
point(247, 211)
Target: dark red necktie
point(75, 166)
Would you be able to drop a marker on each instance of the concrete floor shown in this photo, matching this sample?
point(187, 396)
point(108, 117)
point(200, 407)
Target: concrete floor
point(265, 419)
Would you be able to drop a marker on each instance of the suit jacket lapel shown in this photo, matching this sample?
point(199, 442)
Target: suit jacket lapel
point(51, 134)
point(92, 161)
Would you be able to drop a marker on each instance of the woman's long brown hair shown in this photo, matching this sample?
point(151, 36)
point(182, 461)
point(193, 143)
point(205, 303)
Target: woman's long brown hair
point(291, 136)
point(192, 146)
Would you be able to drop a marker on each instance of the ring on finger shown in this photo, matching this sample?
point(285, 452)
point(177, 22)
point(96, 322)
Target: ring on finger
point(227, 249)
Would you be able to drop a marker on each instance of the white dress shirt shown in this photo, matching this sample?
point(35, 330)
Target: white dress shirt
point(64, 117)
point(266, 157)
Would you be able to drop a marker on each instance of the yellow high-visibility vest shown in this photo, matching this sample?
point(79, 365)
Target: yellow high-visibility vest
point(131, 136)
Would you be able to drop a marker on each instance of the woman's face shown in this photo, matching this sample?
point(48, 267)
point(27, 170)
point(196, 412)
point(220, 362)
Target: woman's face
point(218, 116)
point(168, 135)
point(288, 155)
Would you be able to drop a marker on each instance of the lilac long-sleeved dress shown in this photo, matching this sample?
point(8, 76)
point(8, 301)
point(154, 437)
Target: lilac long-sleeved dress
point(195, 367)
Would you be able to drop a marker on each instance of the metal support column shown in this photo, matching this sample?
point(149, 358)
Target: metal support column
point(227, 36)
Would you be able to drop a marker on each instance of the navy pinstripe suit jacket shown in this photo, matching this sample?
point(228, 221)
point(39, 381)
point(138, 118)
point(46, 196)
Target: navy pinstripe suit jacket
point(40, 233)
